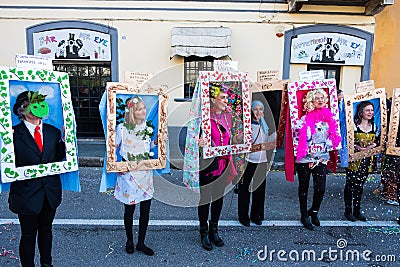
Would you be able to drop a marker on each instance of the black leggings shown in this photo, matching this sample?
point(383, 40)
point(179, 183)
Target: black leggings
point(257, 173)
point(319, 181)
point(40, 225)
point(143, 220)
point(211, 194)
point(353, 189)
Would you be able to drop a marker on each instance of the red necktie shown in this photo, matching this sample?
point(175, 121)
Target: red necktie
point(38, 138)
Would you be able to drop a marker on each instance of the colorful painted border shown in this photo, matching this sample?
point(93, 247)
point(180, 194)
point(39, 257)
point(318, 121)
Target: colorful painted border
point(9, 172)
point(112, 165)
point(207, 77)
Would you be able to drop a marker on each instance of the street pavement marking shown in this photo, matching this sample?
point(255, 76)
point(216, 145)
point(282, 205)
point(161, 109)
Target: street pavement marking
point(103, 222)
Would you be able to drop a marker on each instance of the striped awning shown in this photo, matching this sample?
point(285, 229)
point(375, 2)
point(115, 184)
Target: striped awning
point(201, 41)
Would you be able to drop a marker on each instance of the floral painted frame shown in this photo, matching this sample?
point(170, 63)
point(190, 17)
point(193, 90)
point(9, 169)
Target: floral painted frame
point(296, 104)
point(11, 173)
point(349, 101)
point(112, 165)
point(392, 148)
point(206, 78)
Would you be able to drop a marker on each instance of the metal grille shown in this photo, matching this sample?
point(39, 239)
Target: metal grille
point(87, 83)
point(192, 67)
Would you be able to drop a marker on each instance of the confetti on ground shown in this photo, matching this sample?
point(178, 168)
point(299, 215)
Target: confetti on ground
point(111, 249)
point(385, 230)
point(245, 254)
point(109, 192)
point(7, 253)
point(8, 226)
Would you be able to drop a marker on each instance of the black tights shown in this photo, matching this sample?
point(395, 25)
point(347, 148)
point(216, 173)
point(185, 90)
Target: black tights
point(254, 172)
point(319, 181)
point(143, 220)
point(40, 225)
point(353, 189)
point(211, 194)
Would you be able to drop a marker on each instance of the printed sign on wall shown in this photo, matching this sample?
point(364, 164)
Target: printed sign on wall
point(74, 44)
point(330, 48)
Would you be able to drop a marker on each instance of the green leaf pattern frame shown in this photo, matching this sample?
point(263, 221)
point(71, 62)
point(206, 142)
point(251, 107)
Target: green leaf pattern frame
point(9, 172)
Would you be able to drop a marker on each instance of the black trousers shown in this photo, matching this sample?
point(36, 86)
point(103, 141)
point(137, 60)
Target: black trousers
point(254, 172)
point(36, 225)
point(354, 187)
point(319, 181)
point(143, 220)
point(211, 195)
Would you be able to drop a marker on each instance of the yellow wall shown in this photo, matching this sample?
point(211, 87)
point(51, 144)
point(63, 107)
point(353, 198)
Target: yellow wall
point(386, 58)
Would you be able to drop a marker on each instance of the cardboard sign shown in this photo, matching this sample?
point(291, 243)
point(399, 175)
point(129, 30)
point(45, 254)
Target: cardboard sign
point(267, 75)
point(365, 86)
point(225, 65)
point(137, 78)
point(312, 75)
point(33, 62)
point(263, 86)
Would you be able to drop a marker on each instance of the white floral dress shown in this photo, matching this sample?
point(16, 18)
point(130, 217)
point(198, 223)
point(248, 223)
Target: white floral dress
point(135, 186)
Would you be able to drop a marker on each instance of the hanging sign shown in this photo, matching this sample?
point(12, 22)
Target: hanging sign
point(225, 65)
point(76, 44)
point(267, 75)
point(34, 62)
point(311, 75)
point(329, 48)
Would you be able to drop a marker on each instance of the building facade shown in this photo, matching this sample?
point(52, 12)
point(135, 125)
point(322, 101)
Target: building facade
point(101, 41)
point(386, 55)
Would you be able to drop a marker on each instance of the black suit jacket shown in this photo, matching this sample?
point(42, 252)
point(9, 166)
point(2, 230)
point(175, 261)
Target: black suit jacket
point(26, 197)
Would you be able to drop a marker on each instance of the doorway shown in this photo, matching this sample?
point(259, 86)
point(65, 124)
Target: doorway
point(87, 84)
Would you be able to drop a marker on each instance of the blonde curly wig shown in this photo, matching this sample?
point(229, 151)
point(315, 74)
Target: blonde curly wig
point(310, 97)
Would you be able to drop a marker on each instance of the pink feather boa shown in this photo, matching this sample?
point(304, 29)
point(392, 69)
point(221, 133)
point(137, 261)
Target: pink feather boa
point(317, 115)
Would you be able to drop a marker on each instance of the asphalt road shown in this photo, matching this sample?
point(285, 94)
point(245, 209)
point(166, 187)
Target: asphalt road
point(89, 231)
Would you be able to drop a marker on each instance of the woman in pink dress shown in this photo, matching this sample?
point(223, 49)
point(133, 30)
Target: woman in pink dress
point(215, 173)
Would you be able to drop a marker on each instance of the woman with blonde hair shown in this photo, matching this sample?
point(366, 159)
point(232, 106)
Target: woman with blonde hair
point(133, 139)
point(318, 135)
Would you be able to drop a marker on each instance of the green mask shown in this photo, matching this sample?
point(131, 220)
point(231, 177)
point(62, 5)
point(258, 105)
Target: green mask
point(38, 106)
point(40, 109)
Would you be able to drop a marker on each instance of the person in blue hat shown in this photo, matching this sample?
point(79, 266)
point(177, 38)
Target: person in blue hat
point(255, 171)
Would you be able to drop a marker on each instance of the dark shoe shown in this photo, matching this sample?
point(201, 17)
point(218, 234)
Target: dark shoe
point(314, 217)
point(129, 248)
point(213, 235)
point(205, 241)
point(145, 249)
point(257, 222)
point(350, 217)
point(360, 217)
point(43, 264)
point(244, 222)
point(307, 223)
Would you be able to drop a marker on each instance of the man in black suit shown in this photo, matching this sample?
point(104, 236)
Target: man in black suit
point(35, 200)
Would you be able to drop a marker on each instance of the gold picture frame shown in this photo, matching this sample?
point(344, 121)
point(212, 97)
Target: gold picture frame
point(378, 98)
point(159, 100)
point(392, 148)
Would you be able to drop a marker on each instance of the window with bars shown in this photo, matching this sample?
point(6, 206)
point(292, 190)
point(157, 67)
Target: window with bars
point(193, 65)
point(87, 84)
